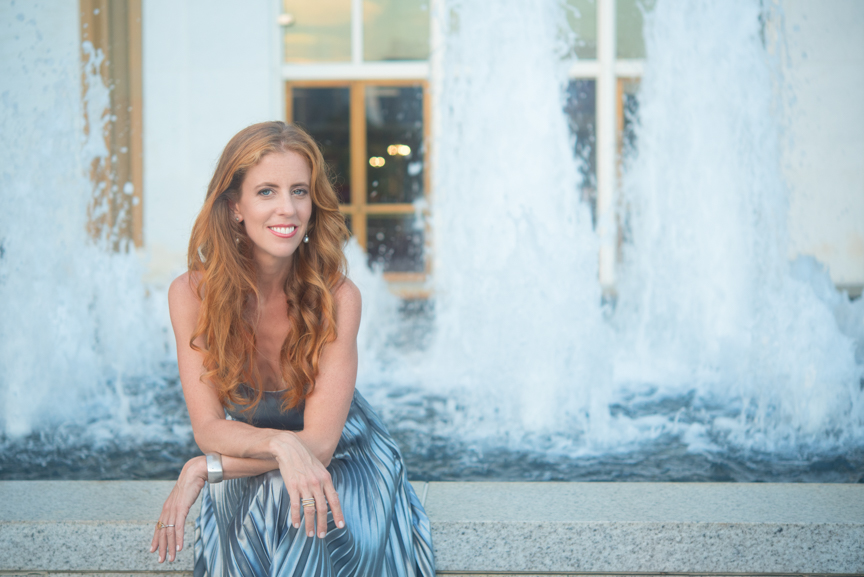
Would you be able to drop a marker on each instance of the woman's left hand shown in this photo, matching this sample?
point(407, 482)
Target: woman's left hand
point(169, 540)
point(306, 478)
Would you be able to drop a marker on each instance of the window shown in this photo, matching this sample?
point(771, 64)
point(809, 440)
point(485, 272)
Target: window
point(111, 55)
point(602, 105)
point(373, 135)
point(355, 77)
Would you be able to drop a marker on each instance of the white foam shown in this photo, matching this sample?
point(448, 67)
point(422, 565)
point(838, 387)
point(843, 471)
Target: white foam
point(76, 322)
point(715, 341)
point(707, 298)
point(709, 317)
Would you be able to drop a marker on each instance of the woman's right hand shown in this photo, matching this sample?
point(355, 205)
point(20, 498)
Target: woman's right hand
point(169, 540)
point(306, 477)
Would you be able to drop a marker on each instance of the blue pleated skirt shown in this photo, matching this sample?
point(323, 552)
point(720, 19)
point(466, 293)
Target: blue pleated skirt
point(245, 529)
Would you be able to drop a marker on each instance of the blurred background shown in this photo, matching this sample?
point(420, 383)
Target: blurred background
point(185, 77)
point(599, 239)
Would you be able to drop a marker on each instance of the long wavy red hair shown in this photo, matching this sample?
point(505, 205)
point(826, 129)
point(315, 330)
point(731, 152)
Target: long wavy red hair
point(220, 260)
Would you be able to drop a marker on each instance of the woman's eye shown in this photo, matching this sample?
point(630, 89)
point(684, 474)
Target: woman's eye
point(266, 192)
point(300, 191)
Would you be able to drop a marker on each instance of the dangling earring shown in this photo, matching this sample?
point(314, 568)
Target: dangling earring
point(306, 239)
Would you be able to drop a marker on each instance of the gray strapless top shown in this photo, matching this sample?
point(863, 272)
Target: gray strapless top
point(268, 414)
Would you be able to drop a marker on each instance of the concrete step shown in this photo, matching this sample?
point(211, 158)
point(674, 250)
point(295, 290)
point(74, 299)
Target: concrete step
point(105, 527)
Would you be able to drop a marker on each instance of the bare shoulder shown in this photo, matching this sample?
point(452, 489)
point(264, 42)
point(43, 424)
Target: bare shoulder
point(348, 304)
point(183, 296)
point(347, 293)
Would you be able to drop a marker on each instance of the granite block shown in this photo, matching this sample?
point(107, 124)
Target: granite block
point(84, 527)
point(647, 527)
point(654, 502)
point(85, 546)
point(651, 548)
point(97, 574)
point(84, 500)
point(89, 525)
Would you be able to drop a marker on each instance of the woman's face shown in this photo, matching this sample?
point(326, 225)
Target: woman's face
point(275, 205)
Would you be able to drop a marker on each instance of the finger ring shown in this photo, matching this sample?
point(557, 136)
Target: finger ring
point(161, 525)
point(307, 503)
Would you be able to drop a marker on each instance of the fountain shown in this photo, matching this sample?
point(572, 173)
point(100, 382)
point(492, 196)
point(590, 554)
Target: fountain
point(708, 301)
point(79, 345)
point(718, 361)
point(718, 352)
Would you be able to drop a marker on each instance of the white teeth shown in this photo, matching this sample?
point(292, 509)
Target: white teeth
point(283, 229)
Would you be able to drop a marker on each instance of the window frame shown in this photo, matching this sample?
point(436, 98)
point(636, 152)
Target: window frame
point(610, 74)
point(359, 209)
point(114, 29)
point(356, 75)
point(608, 71)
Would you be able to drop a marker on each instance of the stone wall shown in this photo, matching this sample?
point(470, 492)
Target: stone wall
point(105, 527)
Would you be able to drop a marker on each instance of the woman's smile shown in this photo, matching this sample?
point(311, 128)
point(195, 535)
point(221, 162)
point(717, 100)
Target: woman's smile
point(275, 206)
point(283, 231)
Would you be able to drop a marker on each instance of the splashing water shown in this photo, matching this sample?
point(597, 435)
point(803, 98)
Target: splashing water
point(719, 360)
point(708, 301)
point(518, 321)
point(716, 347)
point(76, 330)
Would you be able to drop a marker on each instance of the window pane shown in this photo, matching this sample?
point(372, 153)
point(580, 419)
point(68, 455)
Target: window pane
point(324, 113)
point(395, 30)
point(580, 109)
point(394, 132)
point(319, 31)
point(630, 113)
point(396, 241)
point(629, 20)
point(582, 18)
point(349, 224)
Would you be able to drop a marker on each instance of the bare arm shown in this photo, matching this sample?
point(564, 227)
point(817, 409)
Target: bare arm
point(301, 457)
point(169, 539)
point(326, 408)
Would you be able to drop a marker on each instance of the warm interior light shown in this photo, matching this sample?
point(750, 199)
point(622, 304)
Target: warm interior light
point(399, 149)
point(376, 161)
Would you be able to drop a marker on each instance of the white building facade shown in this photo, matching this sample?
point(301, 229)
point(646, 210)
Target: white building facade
point(206, 69)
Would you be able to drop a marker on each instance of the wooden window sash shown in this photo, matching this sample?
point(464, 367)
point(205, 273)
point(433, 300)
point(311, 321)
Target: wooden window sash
point(412, 284)
point(114, 28)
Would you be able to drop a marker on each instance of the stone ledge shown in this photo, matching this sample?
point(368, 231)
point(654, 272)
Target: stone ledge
point(105, 527)
point(439, 573)
point(648, 527)
point(96, 574)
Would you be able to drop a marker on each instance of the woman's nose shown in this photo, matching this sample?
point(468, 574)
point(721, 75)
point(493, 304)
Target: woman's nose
point(286, 206)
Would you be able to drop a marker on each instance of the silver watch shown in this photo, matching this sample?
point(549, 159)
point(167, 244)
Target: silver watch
point(214, 468)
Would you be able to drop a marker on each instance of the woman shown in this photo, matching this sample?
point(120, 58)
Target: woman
point(266, 326)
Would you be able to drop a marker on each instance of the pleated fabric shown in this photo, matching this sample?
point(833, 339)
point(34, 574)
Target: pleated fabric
point(245, 529)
